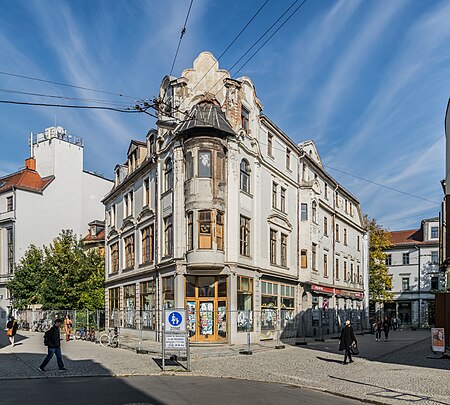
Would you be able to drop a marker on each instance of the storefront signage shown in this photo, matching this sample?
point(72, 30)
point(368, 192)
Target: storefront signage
point(175, 320)
point(438, 339)
point(322, 289)
point(175, 341)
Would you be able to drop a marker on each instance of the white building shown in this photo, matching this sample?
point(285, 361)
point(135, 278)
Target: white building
point(413, 264)
point(50, 194)
point(205, 214)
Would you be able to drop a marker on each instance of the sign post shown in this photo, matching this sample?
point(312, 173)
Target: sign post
point(175, 334)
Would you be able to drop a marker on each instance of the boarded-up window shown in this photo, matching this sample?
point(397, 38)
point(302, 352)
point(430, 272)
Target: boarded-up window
point(204, 230)
point(303, 259)
point(219, 230)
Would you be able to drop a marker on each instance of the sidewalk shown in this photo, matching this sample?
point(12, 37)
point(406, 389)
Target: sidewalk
point(389, 379)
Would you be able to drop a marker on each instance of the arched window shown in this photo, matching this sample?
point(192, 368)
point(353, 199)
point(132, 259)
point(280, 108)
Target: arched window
point(245, 176)
point(168, 174)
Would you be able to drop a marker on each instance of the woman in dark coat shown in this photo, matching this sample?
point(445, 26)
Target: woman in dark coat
point(346, 340)
point(386, 327)
point(12, 326)
point(378, 329)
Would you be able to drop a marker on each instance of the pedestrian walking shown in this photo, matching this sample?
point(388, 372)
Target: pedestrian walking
point(12, 326)
point(346, 341)
point(386, 327)
point(68, 327)
point(52, 340)
point(378, 328)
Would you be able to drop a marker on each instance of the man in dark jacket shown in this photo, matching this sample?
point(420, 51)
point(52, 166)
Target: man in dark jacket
point(346, 340)
point(53, 341)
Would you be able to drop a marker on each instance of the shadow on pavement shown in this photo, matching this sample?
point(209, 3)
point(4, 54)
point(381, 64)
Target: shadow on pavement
point(329, 360)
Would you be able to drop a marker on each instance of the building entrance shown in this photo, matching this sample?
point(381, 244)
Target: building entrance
point(206, 300)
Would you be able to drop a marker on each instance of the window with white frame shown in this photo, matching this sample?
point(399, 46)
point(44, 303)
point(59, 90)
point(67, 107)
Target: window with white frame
point(168, 174)
point(245, 176)
point(304, 211)
point(273, 246)
point(204, 164)
point(284, 250)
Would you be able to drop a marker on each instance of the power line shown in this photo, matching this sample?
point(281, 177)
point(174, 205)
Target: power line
point(183, 31)
point(62, 97)
point(66, 85)
point(232, 42)
point(413, 216)
point(130, 110)
point(382, 185)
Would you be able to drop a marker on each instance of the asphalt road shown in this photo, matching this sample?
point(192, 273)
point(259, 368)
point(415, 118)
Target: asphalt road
point(158, 390)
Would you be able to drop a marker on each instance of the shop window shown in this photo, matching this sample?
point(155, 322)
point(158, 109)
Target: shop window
point(245, 176)
point(147, 294)
point(168, 292)
point(129, 297)
point(114, 249)
point(204, 230)
point(273, 246)
point(244, 303)
point(287, 294)
point(304, 259)
point(204, 163)
point(190, 286)
point(283, 199)
point(168, 175)
point(219, 230)
point(168, 236)
point(284, 250)
point(325, 226)
point(245, 236)
point(206, 286)
point(222, 286)
point(435, 283)
point(245, 119)
point(129, 252)
point(405, 258)
point(147, 244)
point(190, 230)
point(189, 166)
point(325, 265)
point(304, 212)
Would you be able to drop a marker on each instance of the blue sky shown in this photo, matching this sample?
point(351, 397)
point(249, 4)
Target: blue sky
point(368, 81)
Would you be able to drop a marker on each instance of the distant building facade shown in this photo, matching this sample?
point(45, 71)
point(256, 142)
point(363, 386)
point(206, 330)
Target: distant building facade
point(413, 264)
point(333, 243)
point(204, 214)
point(95, 239)
point(53, 192)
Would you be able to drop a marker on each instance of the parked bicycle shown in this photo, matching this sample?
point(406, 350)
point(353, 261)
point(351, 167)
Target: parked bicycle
point(110, 339)
point(86, 334)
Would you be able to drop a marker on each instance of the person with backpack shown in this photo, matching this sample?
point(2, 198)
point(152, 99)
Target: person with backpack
point(52, 340)
point(12, 326)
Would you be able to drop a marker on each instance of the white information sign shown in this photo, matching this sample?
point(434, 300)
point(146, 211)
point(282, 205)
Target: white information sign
point(175, 320)
point(175, 341)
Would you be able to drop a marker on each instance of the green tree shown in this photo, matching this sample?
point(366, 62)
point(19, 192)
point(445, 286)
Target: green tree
point(379, 280)
point(25, 287)
point(68, 276)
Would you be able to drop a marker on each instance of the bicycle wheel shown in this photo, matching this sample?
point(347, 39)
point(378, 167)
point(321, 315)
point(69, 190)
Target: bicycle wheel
point(104, 340)
point(114, 342)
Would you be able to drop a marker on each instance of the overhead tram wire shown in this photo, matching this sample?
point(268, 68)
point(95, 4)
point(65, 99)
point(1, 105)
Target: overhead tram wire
point(382, 185)
point(254, 44)
point(265, 42)
point(183, 31)
point(232, 42)
point(67, 85)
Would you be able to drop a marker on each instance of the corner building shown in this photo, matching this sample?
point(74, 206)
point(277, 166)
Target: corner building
point(204, 215)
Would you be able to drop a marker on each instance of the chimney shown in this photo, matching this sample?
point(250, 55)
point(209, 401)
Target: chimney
point(30, 163)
